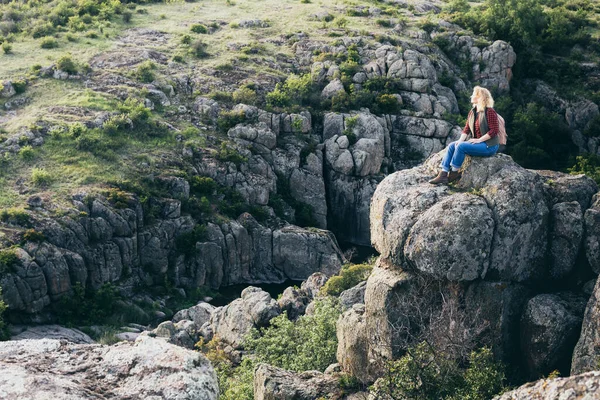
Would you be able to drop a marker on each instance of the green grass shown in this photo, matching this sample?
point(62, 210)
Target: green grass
point(61, 102)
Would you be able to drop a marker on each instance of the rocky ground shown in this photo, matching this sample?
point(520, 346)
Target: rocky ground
point(218, 187)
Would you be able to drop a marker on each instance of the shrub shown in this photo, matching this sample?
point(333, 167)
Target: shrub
point(31, 235)
point(230, 154)
point(199, 28)
point(588, 164)
point(6, 48)
point(145, 71)
point(245, 95)
point(186, 39)
point(19, 85)
point(178, 58)
point(41, 177)
point(92, 307)
point(127, 15)
point(198, 49)
point(387, 104)
point(203, 185)
point(48, 43)
point(42, 30)
point(77, 129)
point(310, 343)
point(91, 35)
point(66, 63)
point(27, 153)
point(8, 261)
point(349, 276)
point(385, 23)
point(15, 216)
point(427, 374)
point(296, 90)
point(229, 119)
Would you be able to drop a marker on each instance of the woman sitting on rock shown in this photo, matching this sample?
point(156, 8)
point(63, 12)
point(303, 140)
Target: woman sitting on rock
point(482, 125)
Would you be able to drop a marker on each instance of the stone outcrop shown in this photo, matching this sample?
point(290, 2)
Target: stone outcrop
point(231, 323)
point(550, 327)
point(97, 243)
point(54, 332)
point(587, 350)
point(272, 383)
point(149, 368)
point(584, 386)
point(467, 258)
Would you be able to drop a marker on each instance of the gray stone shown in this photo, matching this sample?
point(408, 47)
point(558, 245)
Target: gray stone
point(275, 383)
point(36, 368)
point(332, 89)
point(566, 232)
point(587, 350)
point(584, 386)
point(550, 326)
point(354, 295)
point(54, 332)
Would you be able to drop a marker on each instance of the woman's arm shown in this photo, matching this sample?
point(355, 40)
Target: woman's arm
point(481, 139)
point(463, 137)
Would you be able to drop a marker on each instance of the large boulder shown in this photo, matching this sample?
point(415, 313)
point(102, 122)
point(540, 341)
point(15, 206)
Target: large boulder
point(149, 368)
point(414, 221)
point(55, 332)
point(591, 242)
point(272, 383)
point(584, 386)
point(587, 350)
point(550, 327)
point(231, 323)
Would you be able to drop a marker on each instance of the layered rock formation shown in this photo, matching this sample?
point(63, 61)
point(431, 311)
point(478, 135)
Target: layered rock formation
point(149, 368)
point(584, 386)
point(97, 243)
point(466, 260)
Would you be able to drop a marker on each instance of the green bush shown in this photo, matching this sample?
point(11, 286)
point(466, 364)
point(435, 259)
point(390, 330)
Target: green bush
point(41, 177)
point(310, 343)
point(48, 43)
point(349, 276)
point(198, 49)
point(186, 242)
point(229, 119)
point(296, 90)
point(6, 48)
point(199, 28)
point(20, 85)
point(145, 71)
point(186, 39)
point(42, 30)
point(245, 95)
point(202, 185)
point(127, 15)
point(31, 235)
point(27, 153)
point(92, 307)
point(227, 153)
point(77, 129)
point(15, 216)
point(387, 104)
point(8, 261)
point(66, 63)
point(115, 124)
point(588, 164)
point(425, 373)
point(542, 140)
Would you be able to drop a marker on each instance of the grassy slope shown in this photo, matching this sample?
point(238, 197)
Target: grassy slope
point(72, 169)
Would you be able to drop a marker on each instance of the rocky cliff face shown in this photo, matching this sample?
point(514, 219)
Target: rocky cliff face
point(491, 260)
point(96, 243)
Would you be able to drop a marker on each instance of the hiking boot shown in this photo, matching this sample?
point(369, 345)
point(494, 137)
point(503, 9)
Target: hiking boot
point(442, 177)
point(453, 176)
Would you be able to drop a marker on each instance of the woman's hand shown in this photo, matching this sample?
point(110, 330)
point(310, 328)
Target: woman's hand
point(474, 141)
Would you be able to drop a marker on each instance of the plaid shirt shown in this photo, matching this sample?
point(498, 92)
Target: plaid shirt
point(492, 120)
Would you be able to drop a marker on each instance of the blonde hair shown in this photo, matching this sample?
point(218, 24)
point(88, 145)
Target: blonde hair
point(485, 98)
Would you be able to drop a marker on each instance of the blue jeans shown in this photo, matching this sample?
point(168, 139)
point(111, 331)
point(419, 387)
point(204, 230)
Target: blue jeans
point(455, 155)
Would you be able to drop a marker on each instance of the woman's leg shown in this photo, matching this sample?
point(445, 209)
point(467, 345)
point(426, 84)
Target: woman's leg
point(448, 156)
point(471, 149)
